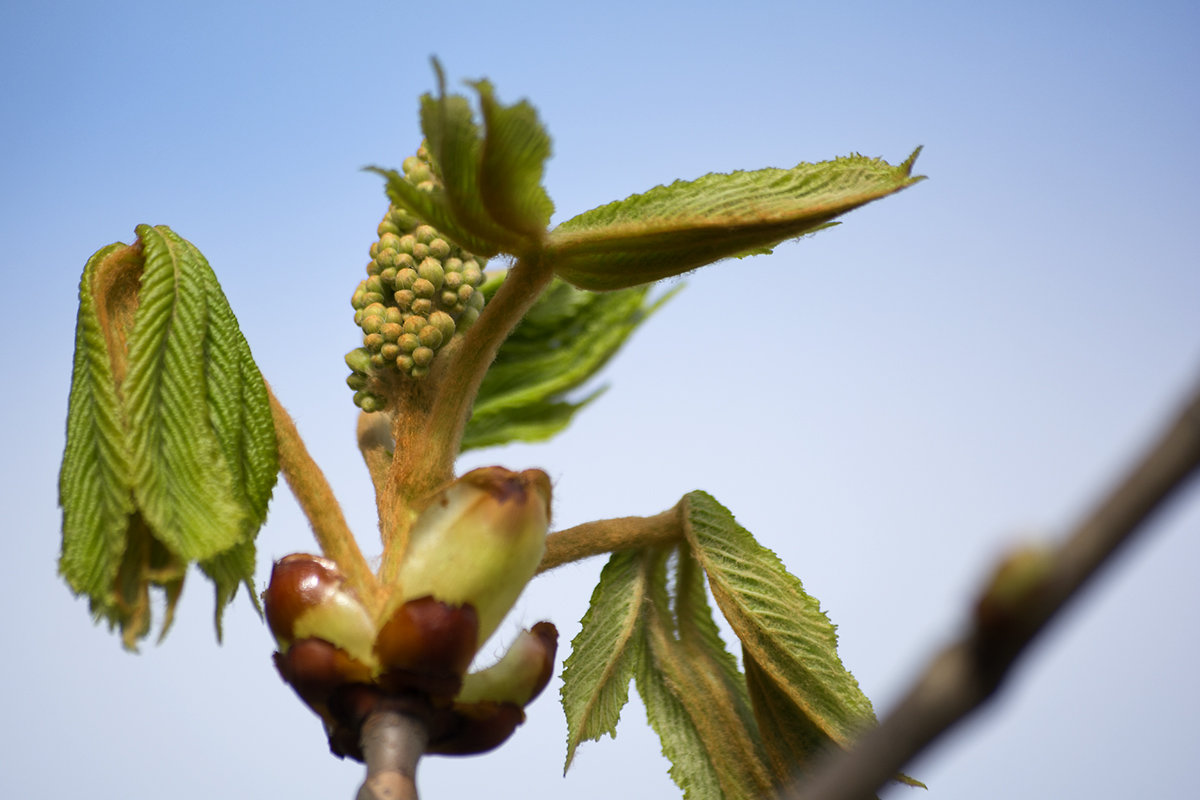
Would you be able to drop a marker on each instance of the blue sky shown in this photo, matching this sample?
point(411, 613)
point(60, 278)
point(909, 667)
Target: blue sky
point(887, 405)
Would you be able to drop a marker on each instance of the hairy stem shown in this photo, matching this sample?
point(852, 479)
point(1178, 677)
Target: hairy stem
point(610, 535)
point(526, 281)
point(375, 444)
point(427, 434)
point(392, 744)
point(965, 675)
point(316, 499)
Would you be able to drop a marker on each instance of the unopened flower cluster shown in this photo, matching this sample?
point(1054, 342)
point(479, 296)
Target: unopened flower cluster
point(421, 290)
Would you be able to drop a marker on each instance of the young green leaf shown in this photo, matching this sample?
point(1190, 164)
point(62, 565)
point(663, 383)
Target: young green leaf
point(96, 480)
point(170, 455)
point(702, 641)
point(787, 637)
point(514, 157)
point(693, 701)
point(182, 483)
point(491, 199)
point(672, 229)
point(604, 654)
point(564, 340)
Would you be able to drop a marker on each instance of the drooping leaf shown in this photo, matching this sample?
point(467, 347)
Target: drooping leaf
point(96, 480)
point(700, 717)
point(240, 414)
point(604, 654)
point(672, 229)
point(790, 738)
point(699, 636)
point(565, 339)
point(170, 455)
point(787, 637)
point(182, 483)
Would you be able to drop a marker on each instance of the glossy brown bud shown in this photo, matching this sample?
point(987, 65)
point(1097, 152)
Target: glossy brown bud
point(427, 645)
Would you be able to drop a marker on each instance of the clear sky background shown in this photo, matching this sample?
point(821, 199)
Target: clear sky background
point(887, 405)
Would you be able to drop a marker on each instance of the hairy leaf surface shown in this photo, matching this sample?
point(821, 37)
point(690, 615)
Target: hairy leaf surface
point(170, 455)
point(782, 628)
point(605, 653)
point(693, 701)
point(672, 229)
point(96, 480)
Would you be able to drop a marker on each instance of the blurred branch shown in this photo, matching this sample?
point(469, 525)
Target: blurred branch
point(1028, 590)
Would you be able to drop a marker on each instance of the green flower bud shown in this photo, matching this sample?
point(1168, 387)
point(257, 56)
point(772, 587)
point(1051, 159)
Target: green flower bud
point(404, 363)
point(419, 372)
point(388, 225)
point(406, 243)
point(431, 270)
point(359, 360)
point(422, 356)
point(372, 298)
point(356, 300)
point(390, 241)
point(452, 264)
point(444, 323)
point(408, 342)
point(405, 277)
point(420, 252)
point(423, 288)
point(450, 299)
point(451, 280)
point(472, 273)
point(373, 341)
point(389, 351)
point(439, 248)
point(431, 337)
point(422, 307)
point(404, 261)
point(404, 298)
point(425, 234)
point(368, 402)
point(372, 324)
point(373, 250)
point(468, 318)
point(391, 331)
point(356, 381)
point(465, 293)
point(413, 324)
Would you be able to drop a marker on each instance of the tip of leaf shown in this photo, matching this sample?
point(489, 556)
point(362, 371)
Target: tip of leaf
point(440, 74)
point(907, 164)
